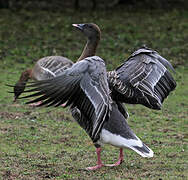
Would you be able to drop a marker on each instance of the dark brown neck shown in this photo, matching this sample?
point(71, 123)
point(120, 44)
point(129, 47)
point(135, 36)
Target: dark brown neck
point(90, 48)
point(25, 75)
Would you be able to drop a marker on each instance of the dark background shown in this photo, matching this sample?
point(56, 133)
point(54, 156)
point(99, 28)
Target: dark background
point(91, 4)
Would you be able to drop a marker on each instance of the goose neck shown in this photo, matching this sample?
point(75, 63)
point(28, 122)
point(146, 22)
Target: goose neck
point(25, 75)
point(89, 49)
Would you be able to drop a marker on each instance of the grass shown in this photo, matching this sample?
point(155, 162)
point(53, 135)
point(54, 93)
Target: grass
point(45, 143)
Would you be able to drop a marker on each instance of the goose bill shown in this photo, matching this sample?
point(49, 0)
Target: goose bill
point(79, 26)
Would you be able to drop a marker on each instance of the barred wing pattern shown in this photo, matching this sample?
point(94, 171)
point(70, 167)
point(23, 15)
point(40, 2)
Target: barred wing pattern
point(50, 66)
point(84, 86)
point(142, 79)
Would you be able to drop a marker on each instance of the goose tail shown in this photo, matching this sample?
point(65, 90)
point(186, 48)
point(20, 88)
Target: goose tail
point(131, 141)
point(142, 149)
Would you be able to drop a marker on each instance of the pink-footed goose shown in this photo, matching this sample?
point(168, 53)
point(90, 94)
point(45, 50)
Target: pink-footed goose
point(51, 66)
point(96, 96)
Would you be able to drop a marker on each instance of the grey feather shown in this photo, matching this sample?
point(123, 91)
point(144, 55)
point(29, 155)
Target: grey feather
point(142, 79)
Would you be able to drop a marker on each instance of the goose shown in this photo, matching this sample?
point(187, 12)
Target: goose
point(142, 79)
point(44, 68)
point(51, 66)
point(85, 88)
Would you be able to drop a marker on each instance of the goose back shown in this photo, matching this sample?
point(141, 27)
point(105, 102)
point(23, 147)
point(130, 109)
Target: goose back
point(50, 66)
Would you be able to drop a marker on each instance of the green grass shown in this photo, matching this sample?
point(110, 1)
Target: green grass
point(42, 143)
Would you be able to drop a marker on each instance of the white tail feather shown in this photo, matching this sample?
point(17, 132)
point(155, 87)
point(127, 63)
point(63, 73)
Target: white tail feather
point(119, 141)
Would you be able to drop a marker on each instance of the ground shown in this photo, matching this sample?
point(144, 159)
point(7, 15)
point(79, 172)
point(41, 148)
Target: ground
point(46, 143)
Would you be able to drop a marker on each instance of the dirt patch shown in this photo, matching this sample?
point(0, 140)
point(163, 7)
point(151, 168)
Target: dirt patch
point(9, 175)
point(11, 115)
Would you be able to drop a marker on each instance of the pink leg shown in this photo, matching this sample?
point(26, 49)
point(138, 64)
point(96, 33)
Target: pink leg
point(35, 104)
point(120, 160)
point(63, 105)
point(99, 162)
point(38, 103)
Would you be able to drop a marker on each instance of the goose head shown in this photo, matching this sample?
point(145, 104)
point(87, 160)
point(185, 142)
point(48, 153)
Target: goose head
point(90, 30)
point(20, 85)
point(18, 89)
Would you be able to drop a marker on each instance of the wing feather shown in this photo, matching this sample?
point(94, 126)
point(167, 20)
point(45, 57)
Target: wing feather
point(84, 86)
point(142, 79)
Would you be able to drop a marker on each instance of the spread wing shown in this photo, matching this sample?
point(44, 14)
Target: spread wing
point(85, 86)
point(142, 79)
